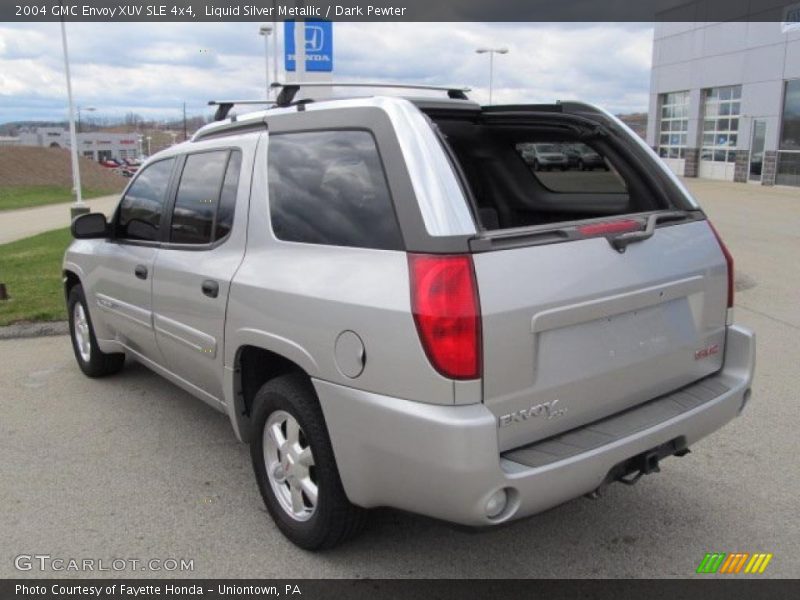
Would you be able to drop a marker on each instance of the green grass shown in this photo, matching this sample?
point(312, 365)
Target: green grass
point(31, 270)
point(28, 196)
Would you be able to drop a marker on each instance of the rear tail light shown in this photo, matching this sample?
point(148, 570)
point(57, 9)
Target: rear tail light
point(728, 260)
point(444, 300)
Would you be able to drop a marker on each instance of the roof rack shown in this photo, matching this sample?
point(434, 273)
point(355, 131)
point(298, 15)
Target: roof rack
point(289, 90)
point(225, 106)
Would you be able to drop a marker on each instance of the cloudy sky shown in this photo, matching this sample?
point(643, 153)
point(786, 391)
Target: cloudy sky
point(151, 69)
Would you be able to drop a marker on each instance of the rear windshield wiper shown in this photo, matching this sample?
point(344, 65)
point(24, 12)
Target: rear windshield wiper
point(620, 242)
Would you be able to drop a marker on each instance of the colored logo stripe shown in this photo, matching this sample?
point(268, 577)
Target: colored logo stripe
point(711, 562)
point(758, 563)
point(733, 563)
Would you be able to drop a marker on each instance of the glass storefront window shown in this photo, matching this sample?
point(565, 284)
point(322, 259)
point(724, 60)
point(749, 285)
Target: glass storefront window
point(673, 124)
point(790, 124)
point(721, 108)
point(788, 167)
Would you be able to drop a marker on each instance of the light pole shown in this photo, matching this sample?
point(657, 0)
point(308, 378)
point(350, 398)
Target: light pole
point(79, 207)
point(87, 109)
point(491, 52)
point(148, 138)
point(266, 30)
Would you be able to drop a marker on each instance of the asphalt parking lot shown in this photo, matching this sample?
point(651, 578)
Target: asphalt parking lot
point(132, 467)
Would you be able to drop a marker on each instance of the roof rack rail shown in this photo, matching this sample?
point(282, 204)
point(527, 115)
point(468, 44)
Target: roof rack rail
point(225, 106)
point(289, 90)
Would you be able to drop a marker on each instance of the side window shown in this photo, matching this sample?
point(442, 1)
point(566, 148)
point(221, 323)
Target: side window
point(328, 187)
point(227, 199)
point(193, 219)
point(141, 209)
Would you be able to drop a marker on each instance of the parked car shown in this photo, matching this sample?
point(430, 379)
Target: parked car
point(393, 311)
point(545, 157)
point(582, 157)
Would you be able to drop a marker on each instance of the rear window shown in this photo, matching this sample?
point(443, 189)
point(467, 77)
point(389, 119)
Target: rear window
point(329, 187)
point(524, 174)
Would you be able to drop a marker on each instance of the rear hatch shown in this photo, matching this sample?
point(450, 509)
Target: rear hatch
point(577, 324)
point(575, 331)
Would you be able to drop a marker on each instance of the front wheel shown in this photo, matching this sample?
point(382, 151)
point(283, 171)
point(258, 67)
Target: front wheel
point(91, 360)
point(295, 467)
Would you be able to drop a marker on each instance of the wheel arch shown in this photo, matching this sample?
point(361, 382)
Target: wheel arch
point(71, 279)
point(254, 366)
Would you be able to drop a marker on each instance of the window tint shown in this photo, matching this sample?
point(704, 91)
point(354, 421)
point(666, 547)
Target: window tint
point(141, 208)
point(227, 200)
point(328, 187)
point(198, 195)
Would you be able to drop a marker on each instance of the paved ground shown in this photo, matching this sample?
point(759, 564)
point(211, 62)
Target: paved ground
point(132, 467)
point(25, 222)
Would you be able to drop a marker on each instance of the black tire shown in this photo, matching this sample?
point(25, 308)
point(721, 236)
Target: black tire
point(581, 165)
point(99, 364)
point(536, 165)
point(335, 519)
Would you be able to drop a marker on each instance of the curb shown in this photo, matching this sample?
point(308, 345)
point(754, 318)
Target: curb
point(32, 330)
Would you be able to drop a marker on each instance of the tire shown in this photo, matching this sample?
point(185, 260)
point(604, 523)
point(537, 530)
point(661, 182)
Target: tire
point(91, 360)
point(286, 482)
point(581, 165)
point(536, 166)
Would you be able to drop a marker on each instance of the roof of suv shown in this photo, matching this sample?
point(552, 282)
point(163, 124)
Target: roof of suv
point(248, 120)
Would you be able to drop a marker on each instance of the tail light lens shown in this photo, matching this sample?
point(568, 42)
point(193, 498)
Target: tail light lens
point(444, 300)
point(729, 260)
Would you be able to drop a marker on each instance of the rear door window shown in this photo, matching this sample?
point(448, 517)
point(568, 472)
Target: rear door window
point(329, 187)
point(141, 209)
point(206, 197)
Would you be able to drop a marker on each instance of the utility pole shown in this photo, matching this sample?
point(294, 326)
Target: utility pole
point(78, 208)
point(185, 137)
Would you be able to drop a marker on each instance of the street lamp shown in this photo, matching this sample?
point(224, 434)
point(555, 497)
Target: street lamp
point(87, 109)
point(148, 138)
point(266, 30)
point(491, 52)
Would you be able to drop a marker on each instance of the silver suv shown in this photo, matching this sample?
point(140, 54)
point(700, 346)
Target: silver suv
point(394, 308)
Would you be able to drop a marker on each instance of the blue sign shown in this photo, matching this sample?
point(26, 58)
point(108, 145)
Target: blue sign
point(319, 45)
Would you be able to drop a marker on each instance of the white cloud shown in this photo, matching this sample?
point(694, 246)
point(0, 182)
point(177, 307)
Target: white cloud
point(152, 68)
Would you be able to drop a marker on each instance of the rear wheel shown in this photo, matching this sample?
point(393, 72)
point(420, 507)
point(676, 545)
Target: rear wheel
point(295, 467)
point(91, 360)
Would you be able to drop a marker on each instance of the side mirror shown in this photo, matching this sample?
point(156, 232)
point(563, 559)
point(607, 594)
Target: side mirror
point(89, 227)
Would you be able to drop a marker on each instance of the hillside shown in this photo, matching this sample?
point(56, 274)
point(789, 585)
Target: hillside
point(33, 166)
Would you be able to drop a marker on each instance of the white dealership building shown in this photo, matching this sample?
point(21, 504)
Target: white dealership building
point(96, 145)
point(725, 100)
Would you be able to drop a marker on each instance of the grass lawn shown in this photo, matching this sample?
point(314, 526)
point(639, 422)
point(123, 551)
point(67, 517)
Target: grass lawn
point(31, 270)
point(28, 196)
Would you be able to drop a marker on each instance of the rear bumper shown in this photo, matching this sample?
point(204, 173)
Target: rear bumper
point(444, 462)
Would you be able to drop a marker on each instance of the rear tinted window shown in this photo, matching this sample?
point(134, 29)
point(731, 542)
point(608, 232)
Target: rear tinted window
point(206, 197)
point(328, 187)
point(142, 206)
